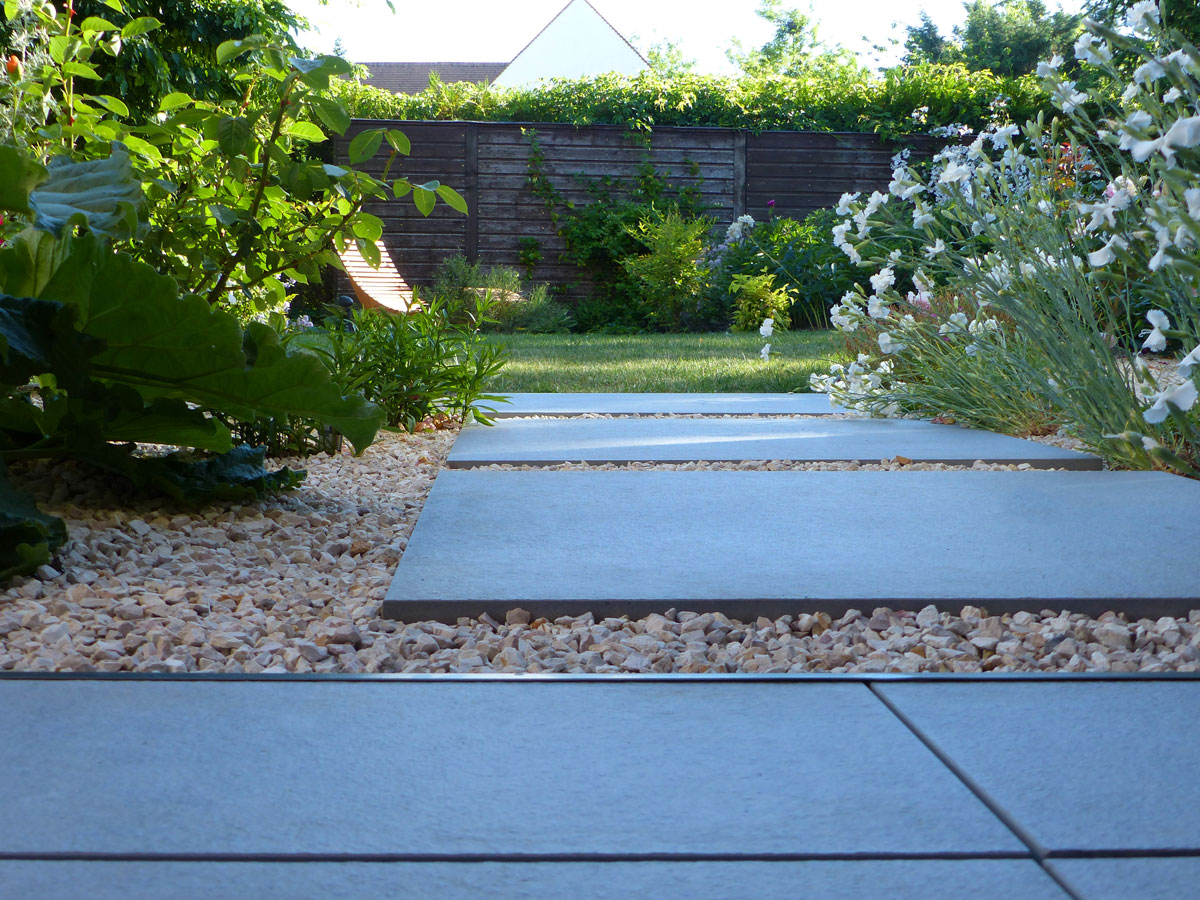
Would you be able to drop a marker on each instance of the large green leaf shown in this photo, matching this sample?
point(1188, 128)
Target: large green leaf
point(236, 475)
point(35, 264)
point(19, 175)
point(27, 536)
point(39, 337)
point(101, 194)
point(180, 347)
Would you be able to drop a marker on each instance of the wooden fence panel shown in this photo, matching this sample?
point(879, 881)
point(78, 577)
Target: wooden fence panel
point(733, 172)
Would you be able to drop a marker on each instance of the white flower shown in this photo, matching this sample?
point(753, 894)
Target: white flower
point(767, 328)
point(888, 345)
point(939, 247)
point(1048, 69)
point(1105, 255)
point(1091, 50)
point(1192, 196)
point(1003, 135)
point(304, 322)
point(921, 215)
point(955, 172)
point(843, 207)
point(922, 283)
point(1172, 95)
point(1188, 362)
point(1183, 133)
point(1157, 341)
point(883, 280)
point(1182, 397)
point(877, 308)
point(1045, 207)
point(765, 352)
point(1143, 15)
point(1067, 98)
point(955, 324)
point(746, 221)
point(1149, 71)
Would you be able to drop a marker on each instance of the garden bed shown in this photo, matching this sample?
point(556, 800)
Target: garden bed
point(293, 584)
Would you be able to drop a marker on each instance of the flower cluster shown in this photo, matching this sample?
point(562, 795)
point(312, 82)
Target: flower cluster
point(1023, 257)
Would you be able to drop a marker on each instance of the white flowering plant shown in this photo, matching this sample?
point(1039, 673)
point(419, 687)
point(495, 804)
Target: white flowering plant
point(1039, 256)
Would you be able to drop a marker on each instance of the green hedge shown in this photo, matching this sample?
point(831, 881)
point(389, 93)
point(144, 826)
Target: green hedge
point(869, 103)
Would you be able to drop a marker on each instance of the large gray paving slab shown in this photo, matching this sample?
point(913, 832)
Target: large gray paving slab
point(1082, 766)
point(1132, 879)
point(771, 543)
point(804, 439)
point(435, 768)
point(577, 404)
point(865, 880)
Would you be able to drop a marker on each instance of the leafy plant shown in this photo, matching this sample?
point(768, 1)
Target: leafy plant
point(670, 276)
point(834, 100)
point(431, 362)
point(99, 352)
point(756, 297)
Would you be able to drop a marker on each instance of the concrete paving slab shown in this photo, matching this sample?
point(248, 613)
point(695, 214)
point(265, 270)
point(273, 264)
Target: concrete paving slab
point(1082, 766)
point(573, 404)
point(486, 768)
point(805, 439)
point(1124, 879)
point(771, 543)
point(865, 880)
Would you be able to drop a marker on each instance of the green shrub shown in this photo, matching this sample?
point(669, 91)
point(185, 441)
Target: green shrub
point(670, 276)
point(428, 363)
point(757, 298)
point(798, 254)
point(822, 102)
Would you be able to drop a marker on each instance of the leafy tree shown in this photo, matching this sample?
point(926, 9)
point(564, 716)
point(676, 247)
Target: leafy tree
point(793, 51)
point(1009, 37)
point(179, 55)
point(926, 44)
point(667, 60)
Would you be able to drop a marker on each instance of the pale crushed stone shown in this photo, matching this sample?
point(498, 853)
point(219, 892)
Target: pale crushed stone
point(293, 584)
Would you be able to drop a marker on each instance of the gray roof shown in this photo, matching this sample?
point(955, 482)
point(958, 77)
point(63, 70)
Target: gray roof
point(413, 77)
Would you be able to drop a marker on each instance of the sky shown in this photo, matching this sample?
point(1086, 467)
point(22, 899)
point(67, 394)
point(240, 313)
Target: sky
point(496, 30)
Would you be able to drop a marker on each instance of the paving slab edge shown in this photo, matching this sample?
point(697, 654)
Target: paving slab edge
point(748, 609)
point(615, 677)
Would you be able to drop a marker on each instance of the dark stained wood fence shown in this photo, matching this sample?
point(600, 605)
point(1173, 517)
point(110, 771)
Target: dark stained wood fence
point(736, 173)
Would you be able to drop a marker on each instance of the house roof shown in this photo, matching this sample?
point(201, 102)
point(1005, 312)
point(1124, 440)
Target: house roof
point(413, 77)
point(558, 15)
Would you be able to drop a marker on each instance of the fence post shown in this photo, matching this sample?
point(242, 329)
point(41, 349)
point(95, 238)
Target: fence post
point(739, 173)
point(471, 190)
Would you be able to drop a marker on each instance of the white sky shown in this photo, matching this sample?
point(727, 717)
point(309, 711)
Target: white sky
point(496, 30)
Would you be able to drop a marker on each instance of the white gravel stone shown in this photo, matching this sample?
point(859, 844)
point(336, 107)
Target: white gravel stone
point(294, 583)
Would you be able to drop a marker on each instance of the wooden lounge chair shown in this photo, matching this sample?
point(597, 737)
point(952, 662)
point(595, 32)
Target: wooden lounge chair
point(382, 288)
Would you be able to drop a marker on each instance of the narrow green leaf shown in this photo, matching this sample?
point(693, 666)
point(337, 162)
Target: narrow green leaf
point(96, 24)
point(233, 135)
point(332, 113)
point(140, 25)
point(424, 200)
point(399, 142)
point(305, 131)
point(112, 104)
point(452, 198)
point(365, 145)
point(174, 100)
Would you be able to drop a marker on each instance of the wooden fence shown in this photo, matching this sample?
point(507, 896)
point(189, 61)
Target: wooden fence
point(735, 173)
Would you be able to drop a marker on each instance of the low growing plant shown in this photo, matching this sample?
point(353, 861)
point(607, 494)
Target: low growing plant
point(1056, 239)
point(756, 297)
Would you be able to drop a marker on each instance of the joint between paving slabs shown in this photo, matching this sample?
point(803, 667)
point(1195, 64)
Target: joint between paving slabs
point(1039, 853)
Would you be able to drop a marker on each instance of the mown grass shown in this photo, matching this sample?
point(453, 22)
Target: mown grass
point(663, 362)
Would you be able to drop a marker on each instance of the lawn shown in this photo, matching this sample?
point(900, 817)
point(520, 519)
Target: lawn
point(663, 362)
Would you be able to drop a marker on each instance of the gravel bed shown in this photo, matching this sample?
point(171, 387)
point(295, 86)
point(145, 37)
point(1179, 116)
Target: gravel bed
point(293, 585)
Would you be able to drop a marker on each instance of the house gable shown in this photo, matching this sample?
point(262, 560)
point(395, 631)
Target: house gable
point(576, 43)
